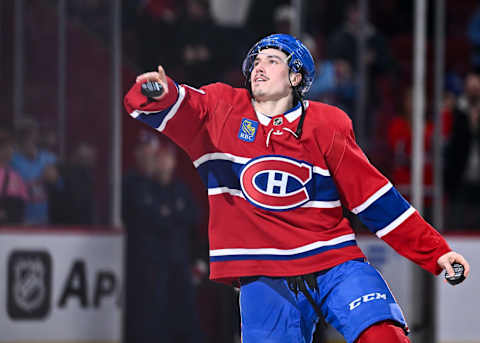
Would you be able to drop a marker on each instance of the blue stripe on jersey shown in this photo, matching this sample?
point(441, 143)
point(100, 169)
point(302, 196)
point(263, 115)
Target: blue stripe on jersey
point(282, 257)
point(224, 173)
point(154, 119)
point(384, 210)
point(220, 173)
point(324, 189)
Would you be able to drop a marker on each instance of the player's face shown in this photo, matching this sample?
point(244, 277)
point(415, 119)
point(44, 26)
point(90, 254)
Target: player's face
point(269, 77)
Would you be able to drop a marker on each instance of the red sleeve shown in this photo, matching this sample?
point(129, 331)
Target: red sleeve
point(416, 240)
point(135, 100)
point(368, 194)
point(356, 178)
point(185, 114)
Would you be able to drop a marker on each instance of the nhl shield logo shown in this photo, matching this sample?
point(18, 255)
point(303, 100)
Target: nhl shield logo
point(29, 279)
point(248, 130)
point(277, 121)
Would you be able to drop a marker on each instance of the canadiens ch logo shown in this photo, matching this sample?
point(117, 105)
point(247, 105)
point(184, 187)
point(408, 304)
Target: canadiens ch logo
point(248, 130)
point(276, 182)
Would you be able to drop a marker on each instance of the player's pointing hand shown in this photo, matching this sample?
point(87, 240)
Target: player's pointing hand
point(156, 76)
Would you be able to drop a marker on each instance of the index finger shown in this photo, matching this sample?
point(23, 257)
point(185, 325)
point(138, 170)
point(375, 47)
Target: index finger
point(162, 78)
point(161, 75)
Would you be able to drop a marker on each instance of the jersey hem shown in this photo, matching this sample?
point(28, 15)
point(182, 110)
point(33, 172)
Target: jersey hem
point(233, 278)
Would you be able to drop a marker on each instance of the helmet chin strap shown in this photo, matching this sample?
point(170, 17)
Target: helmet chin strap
point(300, 122)
point(298, 131)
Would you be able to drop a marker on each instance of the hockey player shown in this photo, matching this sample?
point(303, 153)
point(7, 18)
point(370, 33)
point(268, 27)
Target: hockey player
point(277, 170)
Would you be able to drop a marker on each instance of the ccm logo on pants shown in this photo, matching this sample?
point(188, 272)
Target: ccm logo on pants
point(366, 298)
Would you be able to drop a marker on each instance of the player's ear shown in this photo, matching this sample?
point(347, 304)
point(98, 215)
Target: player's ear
point(295, 79)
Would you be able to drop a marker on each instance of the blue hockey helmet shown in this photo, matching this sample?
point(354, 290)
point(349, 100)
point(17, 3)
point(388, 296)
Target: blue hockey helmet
point(299, 58)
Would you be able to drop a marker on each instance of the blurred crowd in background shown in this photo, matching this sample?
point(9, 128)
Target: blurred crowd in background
point(196, 46)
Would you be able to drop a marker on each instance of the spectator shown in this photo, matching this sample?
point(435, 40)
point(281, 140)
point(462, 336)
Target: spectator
point(71, 197)
point(400, 145)
point(201, 44)
point(13, 192)
point(344, 42)
point(448, 107)
point(462, 162)
point(343, 45)
point(334, 81)
point(155, 214)
point(48, 141)
point(474, 37)
point(179, 213)
point(36, 167)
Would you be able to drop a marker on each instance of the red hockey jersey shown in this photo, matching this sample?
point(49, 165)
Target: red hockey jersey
point(275, 200)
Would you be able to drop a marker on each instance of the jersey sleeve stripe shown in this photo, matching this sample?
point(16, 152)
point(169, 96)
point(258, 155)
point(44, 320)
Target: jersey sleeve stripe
point(137, 113)
point(201, 91)
point(152, 119)
point(372, 198)
point(219, 156)
point(158, 119)
point(174, 109)
point(383, 211)
point(396, 223)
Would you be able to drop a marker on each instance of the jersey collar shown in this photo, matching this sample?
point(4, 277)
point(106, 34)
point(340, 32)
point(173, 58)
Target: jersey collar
point(291, 115)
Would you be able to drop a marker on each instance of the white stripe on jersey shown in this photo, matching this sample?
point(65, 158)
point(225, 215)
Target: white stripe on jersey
point(323, 204)
point(273, 251)
point(136, 113)
point(173, 110)
point(238, 193)
point(372, 198)
point(170, 114)
point(222, 190)
point(220, 156)
point(321, 171)
point(201, 91)
point(393, 225)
